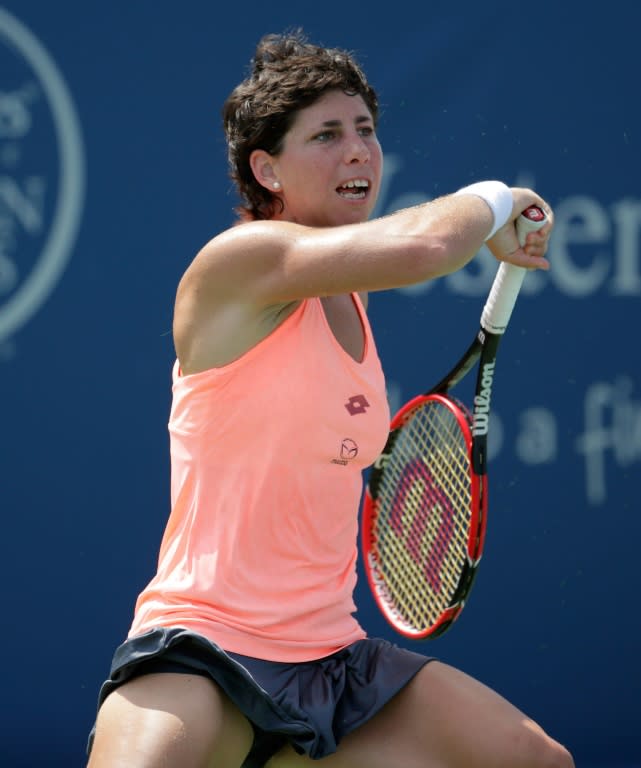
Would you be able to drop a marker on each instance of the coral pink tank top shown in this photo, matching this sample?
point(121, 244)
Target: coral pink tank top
point(259, 553)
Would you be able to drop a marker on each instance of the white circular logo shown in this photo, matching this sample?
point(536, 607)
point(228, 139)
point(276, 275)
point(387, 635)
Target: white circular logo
point(42, 174)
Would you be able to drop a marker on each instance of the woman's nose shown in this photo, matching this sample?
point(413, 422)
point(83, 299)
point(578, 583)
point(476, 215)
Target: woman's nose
point(357, 151)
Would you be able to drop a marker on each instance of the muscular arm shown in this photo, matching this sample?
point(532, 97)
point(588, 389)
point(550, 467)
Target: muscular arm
point(275, 261)
point(249, 276)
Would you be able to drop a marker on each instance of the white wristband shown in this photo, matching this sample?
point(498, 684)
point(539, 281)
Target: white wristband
point(498, 197)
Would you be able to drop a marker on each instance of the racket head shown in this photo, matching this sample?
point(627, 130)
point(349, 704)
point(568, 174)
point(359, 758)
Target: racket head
point(424, 518)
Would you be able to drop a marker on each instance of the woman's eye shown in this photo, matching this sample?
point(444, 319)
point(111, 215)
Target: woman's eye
point(324, 136)
point(366, 130)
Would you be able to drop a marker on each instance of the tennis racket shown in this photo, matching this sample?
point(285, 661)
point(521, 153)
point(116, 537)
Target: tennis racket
point(425, 504)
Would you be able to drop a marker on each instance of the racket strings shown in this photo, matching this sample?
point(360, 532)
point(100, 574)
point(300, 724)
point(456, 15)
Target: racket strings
point(424, 509)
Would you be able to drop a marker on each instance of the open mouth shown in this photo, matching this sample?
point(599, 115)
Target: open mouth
point(355, 189)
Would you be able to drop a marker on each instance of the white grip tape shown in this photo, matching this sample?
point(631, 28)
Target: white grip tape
point(507, 284)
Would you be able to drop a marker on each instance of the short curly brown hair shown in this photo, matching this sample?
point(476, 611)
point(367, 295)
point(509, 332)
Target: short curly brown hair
point(287, 74)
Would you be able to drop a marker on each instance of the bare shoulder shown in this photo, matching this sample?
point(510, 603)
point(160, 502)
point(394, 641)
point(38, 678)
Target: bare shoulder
point(219, 313)
point(236, 260)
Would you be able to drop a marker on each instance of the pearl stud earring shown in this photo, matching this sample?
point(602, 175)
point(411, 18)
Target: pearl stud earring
point(276, 185)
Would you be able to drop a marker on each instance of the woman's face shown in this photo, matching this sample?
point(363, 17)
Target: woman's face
point(330, 166)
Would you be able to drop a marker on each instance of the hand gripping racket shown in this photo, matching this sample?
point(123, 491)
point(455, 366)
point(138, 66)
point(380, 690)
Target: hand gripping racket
point(425, 505)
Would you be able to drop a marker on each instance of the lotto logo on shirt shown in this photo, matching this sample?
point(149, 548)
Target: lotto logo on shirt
point(42, 174)
point(357, 404)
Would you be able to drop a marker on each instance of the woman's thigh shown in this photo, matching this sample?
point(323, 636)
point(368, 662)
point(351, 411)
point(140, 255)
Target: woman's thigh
point(442, 719)
point(169, 719)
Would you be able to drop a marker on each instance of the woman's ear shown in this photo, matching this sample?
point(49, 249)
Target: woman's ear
point(262, 166)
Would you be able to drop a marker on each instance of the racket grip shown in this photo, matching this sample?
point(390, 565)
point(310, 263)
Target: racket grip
point(509, 278)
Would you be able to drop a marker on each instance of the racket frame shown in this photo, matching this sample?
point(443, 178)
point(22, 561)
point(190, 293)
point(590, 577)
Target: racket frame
point(478, 503)
point(494, 321)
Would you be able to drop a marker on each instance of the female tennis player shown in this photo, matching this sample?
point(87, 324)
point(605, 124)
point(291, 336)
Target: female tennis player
point(244, 650)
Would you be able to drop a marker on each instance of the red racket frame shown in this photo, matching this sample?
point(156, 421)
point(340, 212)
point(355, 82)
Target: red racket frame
point(476, 531)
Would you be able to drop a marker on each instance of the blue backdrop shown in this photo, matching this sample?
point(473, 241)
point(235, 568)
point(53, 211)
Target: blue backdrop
point(113, 174)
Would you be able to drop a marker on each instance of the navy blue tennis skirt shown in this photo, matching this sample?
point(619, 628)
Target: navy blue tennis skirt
point(311, 705)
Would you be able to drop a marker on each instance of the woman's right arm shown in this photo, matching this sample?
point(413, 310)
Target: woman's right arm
point(271, 262)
